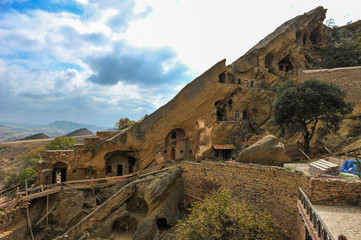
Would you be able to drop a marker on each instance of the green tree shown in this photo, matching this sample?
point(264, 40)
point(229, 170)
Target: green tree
point(123, 123)
point(220, 217)
point(299, 108)
point(61, 143)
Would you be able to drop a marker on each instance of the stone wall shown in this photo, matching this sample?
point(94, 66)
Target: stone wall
point(103, 135)
point(91, 142)
point(335, 191)
point(44, 169)
point(272, 188)
point(348, 79)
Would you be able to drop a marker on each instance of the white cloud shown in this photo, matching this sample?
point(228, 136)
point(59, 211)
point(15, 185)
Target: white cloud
point(44, 54)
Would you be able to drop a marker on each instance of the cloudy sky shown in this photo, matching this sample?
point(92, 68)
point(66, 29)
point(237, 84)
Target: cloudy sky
point(95, 61)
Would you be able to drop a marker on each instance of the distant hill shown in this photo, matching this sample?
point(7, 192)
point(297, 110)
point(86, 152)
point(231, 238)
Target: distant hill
point(36, 136)
point(79, 132)
point(72, 126)
point(10, 132)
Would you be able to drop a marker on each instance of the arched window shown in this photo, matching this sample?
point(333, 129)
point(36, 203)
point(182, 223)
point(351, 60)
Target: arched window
point(174, 134)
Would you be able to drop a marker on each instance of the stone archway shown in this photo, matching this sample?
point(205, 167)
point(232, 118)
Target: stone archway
point(177, 146)
point(59, 172)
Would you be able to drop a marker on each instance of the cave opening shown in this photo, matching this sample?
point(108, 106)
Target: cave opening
point(268, 60)
point(285, 65)
point(162, 224)
point(222, 77)
point(314, 37)
point(221, 114)
point(124, 225)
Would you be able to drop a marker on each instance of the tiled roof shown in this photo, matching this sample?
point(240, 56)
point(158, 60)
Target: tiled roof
point(224, 147)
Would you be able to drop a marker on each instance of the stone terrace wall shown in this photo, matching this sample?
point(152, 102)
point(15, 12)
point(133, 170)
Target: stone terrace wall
point(348, 79)
point(272, 188)
point(103, 135)
point(335, 191)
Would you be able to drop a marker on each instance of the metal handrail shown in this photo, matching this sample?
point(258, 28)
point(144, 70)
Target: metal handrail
point(318, 224)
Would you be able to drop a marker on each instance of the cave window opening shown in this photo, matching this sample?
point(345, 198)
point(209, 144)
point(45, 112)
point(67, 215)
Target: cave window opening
point(162, 224)
point(239, 81)
point(252, 83)
point(174, 134)
point(221, 114)
point(131, 170)
point(230, 102)
point(244, 115)
point(222, 77)
point(236, 115)
point(268, 61)
point(285, 65)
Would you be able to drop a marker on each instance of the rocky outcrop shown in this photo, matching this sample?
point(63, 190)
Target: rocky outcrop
point(287, 48)
point(267, 151)
point(141, 209)
point(224, 105)
point(67, 208)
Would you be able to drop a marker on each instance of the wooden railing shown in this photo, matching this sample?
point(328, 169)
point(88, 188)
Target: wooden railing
point(9, 190)
point(315, 220)
point(41, 191)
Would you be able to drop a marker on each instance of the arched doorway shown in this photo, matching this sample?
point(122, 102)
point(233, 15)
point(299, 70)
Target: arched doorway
point(172, 154)
point(59, 172)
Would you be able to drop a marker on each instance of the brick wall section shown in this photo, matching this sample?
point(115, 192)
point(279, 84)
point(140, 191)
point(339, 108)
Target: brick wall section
point(91, 142)
point(335, 191)
point(348, 79)
point(272, 188)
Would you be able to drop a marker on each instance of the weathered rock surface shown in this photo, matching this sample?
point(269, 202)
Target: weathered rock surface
point(90, 202)
point(67, 208)
point(139, 210)
point(267, 151)
point(217, 94)
point(225, 105)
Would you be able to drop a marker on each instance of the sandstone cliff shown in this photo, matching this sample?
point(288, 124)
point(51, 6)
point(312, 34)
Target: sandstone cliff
point(217, 107)
point(225, 106)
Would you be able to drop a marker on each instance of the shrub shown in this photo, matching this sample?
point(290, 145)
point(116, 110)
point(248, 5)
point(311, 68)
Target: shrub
point(220, 217)
point(61, 143)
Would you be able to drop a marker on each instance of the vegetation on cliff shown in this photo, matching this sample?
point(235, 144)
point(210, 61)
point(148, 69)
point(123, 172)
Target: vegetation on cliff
point(123, 123)
point(30, 160)
point(343, 47)
point(220, 217)
point(61, 143)
point(299, 108)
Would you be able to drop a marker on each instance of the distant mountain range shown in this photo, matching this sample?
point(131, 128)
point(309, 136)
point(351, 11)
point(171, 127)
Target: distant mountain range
point(16, 131)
